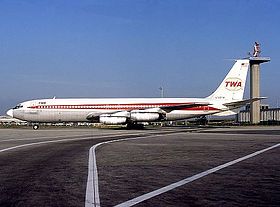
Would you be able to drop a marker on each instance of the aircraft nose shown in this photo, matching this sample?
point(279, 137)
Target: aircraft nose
point(10, 113)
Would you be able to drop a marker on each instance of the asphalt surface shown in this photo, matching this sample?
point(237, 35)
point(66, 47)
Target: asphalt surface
point(50, 167)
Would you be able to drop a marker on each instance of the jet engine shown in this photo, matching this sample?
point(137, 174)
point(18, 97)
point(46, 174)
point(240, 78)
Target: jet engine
point(132, 116)
point(142, 116)
point(116, 118)
point(112, 120)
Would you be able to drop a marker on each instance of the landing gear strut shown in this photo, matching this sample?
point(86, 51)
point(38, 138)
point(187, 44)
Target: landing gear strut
point(202, 120)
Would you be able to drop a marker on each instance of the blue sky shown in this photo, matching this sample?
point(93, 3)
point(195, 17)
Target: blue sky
point(129, 48)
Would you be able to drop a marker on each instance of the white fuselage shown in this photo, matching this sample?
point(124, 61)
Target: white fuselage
point(79, 110)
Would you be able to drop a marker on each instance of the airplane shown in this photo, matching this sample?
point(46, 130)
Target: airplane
point(132, 111)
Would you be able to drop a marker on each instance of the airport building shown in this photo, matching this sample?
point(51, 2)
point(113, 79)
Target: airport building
point(267, 115)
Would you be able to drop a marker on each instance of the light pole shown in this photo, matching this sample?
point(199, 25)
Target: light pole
point(161, 92)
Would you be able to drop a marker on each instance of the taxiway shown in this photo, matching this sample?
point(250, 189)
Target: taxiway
point(51, 167)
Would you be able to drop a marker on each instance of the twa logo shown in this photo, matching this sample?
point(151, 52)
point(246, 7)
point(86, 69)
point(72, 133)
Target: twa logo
point(233, 84)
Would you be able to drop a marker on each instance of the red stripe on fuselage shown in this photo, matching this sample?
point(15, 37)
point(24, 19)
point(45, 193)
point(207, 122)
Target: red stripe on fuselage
point(123, 106)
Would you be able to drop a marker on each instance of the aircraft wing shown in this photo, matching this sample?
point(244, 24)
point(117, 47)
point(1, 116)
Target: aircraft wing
point(237, 104)
point(182, 106)
point(95, 115)
point(160, 110)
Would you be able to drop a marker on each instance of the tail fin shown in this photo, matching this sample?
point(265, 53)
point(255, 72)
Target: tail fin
point(232, 87)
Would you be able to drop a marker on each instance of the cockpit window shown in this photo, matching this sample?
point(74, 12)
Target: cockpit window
point(18, 106)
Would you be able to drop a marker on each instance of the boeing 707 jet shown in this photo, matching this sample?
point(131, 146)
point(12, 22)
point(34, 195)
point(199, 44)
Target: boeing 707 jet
point(227, 97)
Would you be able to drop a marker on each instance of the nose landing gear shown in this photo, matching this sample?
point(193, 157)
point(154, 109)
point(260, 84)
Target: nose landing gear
point(35, 126)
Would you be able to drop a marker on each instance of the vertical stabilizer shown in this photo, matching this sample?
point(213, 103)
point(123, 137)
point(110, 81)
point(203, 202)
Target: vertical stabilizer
point(233, 86)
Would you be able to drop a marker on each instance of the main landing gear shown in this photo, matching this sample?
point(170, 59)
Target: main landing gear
point(202, 120)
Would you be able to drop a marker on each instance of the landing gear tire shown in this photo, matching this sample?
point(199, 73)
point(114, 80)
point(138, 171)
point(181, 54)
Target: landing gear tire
point(35, 126)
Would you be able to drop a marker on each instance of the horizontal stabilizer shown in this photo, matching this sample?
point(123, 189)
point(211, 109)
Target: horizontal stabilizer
point(237, 104)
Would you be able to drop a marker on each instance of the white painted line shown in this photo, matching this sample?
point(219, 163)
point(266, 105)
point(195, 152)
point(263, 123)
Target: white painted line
point(57, 137)
point(60, 140)
point(35, 138)
point(92, 191)
point(152, 194)
point(92, 184)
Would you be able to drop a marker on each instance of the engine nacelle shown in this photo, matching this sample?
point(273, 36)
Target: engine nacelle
point(124, 117)
point(116, 118)
point(144, 116)
point(112, 120)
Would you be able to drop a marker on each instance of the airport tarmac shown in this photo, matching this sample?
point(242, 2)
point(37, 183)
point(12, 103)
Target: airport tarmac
point(156, 167)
